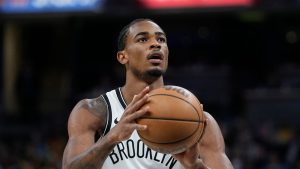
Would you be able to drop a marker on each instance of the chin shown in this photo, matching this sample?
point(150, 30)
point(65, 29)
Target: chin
point(155, 73)
point(149, 75)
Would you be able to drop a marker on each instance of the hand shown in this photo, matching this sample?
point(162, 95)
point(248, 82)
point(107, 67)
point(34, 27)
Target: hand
point(190, 158)
point(127, 124)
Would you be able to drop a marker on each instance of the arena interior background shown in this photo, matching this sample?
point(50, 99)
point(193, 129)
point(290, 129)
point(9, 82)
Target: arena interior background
point(240, 57)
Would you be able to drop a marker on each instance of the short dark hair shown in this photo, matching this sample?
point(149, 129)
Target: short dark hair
point(124, 32)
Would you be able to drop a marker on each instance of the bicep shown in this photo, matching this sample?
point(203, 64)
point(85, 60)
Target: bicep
point(212, 146)
point(82, 127)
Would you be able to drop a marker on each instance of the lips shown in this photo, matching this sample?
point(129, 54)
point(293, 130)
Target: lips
point(155, 57)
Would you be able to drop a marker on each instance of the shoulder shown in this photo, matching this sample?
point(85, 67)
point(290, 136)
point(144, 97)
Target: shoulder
point(210, 118)
point(212, 136)
point(89, 113)
point(96, 106)
point(211, 121)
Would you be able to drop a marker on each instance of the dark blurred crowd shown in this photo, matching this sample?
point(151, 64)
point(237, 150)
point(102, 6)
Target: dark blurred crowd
point(34, 151)
point(263, 146)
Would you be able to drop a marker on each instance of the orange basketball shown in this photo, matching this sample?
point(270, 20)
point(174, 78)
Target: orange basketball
point(175, 120)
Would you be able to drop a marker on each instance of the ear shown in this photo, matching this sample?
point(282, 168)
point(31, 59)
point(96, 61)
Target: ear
point(122, 57)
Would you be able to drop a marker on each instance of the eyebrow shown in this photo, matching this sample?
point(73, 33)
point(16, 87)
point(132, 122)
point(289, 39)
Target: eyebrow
point(147, 33)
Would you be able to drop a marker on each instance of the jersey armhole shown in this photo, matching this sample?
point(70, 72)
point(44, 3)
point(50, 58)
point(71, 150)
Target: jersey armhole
point(108, 117)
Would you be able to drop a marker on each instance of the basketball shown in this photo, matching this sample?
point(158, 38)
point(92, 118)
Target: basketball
point(175, 120)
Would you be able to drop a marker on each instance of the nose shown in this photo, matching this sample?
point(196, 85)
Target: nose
point(155, 45)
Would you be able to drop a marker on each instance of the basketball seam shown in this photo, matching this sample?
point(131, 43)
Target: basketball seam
point(159, 118)
point(167, 142)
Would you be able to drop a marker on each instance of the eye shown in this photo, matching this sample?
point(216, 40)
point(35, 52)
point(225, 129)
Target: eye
point(142, 39)
point(161, 39)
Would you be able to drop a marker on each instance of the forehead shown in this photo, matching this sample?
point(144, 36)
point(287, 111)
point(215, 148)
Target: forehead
point(144, 26)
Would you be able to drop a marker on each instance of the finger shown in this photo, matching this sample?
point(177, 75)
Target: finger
point(138, 114)
point(140, 127)
point(194, 147)
point(137, 105)
point(140, 95)
point(178, 155)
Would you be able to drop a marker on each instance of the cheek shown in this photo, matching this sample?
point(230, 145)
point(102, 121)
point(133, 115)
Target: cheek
point(167, 61)
point(137, 54)
point(135, 58)
point(135, 50)
point(167, 55)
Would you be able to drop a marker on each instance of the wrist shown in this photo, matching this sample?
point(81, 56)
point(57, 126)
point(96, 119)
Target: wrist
point(198, 164)
point(112, 138)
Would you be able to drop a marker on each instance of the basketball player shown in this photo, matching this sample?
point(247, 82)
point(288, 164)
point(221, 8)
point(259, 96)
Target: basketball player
point(143, 50)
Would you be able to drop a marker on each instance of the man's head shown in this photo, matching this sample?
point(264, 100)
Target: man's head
point(124, 32)
point(142, 48)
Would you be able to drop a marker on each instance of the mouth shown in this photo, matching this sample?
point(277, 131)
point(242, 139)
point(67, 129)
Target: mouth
point(155, 57)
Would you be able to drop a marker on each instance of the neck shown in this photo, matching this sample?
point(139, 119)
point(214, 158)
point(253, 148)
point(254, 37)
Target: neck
point(134, 86)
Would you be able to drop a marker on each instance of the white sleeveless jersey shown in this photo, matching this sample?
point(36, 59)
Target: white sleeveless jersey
point(131, 153)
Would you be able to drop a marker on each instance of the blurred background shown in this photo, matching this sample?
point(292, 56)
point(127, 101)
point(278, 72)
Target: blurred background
point(240, 57)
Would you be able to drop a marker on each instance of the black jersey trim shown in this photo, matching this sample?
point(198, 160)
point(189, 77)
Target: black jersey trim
point(109, 115)
point(120, 97)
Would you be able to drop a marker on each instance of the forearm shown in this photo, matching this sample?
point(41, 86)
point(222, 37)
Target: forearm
point(93, 157)
point(197, 165)
point(217, 161)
